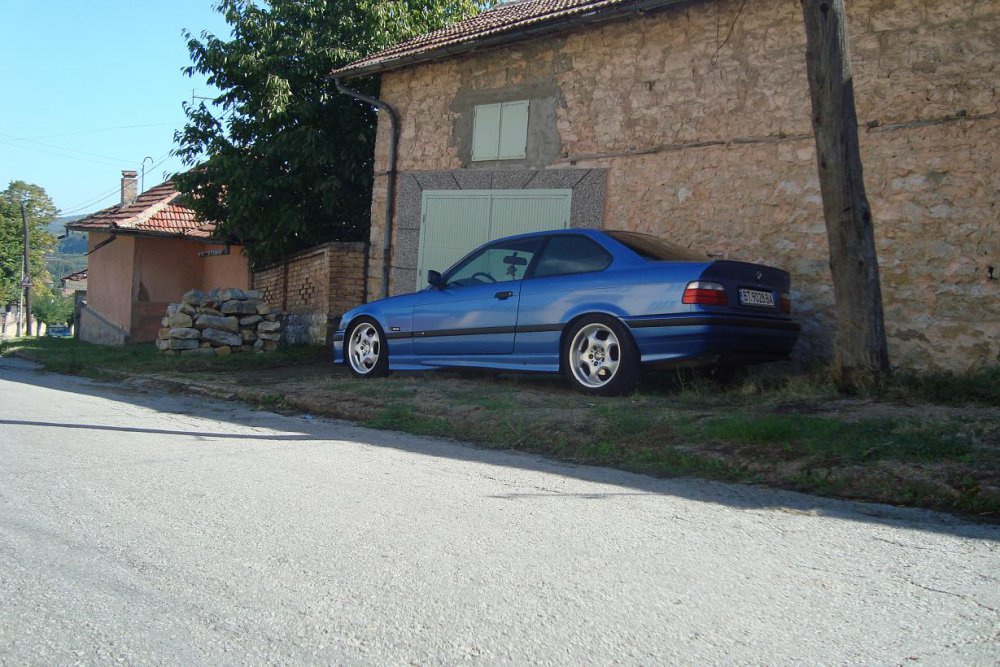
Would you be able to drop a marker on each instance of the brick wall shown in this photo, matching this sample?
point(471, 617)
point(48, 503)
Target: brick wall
point(313, 286)
point(709, 144)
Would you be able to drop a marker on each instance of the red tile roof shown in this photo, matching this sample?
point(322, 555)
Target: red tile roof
point(501, 25)
point(79, 276)
point(155, 212)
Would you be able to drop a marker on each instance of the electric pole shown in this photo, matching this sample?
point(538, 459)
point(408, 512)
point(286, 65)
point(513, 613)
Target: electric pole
point(26, 275)
point(862, 357)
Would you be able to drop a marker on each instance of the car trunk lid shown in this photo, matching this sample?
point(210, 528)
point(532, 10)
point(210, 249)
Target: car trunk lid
point(751, 288)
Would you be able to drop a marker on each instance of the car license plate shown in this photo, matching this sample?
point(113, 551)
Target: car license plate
point(753, 297)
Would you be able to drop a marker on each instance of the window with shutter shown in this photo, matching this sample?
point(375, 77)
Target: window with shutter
point(500, 131)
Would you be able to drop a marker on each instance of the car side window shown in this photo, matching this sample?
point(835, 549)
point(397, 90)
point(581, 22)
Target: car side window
point(571, 254)
point(494, 264)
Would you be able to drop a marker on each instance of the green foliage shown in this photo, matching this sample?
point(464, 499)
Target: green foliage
point(75, 243)
point(52, 307)
point(61, 265)
point(281, 159)
point(41, 211)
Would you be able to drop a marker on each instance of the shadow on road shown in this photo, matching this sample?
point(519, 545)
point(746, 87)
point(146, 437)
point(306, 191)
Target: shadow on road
point(291, 428)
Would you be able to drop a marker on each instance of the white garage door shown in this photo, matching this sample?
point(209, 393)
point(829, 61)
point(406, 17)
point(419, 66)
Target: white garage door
point(455, 222)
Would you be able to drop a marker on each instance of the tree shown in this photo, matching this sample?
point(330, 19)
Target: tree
point(280, 159)
point(862, 357)
point(41, 211)
point(51, 307)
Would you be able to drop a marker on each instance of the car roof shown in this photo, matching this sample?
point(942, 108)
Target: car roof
point(554, 232)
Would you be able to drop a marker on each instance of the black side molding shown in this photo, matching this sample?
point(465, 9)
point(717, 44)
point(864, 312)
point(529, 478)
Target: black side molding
point(731, 321)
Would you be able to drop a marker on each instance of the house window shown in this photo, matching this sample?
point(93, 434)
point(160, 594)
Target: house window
point(500, 131)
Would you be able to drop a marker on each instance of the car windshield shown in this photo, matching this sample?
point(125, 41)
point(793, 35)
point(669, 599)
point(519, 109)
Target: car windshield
point(496, 263)
point(651, 247)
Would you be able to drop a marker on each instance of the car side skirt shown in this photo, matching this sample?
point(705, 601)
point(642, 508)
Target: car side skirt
point(663, 340)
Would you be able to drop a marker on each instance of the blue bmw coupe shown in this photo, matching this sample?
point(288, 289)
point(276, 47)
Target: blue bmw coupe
point(594, 305)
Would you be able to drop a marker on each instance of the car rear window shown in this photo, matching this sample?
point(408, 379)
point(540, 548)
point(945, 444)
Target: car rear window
point(571, 254)
point(656, 249)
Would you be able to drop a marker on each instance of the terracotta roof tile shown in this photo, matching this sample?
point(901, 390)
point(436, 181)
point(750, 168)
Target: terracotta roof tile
point(504, 23)
point(155, 211)
point(79, 276)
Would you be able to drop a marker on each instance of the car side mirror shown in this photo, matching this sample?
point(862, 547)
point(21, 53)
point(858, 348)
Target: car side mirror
point(435, 280)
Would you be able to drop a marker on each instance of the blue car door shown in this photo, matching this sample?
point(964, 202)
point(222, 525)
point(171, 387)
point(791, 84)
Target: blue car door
point(467, 319)
point(475, 311)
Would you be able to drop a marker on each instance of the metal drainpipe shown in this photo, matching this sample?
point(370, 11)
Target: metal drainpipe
point(390, 201)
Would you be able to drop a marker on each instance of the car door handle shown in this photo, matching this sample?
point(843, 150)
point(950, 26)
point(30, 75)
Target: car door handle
point(503, 295)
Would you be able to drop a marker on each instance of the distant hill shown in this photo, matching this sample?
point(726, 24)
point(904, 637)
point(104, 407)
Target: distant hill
point(71, 255)
point(75, 243)
point(58, 226)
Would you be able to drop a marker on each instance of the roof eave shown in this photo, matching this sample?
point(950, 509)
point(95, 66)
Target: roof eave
point(131, 231)
point(504, 38)
point(90, 228)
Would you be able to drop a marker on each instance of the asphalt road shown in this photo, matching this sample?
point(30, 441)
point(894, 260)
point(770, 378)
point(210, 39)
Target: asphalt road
point(142, 528)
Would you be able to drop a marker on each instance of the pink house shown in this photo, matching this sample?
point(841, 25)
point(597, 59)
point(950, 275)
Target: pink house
point(144, 253)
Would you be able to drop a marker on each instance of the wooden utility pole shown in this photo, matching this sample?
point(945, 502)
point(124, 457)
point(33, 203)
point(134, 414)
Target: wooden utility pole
point(862, 357)
point(26, 280)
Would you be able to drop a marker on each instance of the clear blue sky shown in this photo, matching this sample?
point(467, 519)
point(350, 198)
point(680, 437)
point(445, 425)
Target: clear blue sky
point(91, 88)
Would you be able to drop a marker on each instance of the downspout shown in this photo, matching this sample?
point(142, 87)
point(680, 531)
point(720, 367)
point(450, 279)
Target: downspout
point(390, 195)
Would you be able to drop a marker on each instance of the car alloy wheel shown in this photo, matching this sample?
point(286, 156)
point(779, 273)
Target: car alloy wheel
point(601, 357)
point(367, 355)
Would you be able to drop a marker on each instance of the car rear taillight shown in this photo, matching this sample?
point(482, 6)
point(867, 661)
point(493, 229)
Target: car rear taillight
point(705, 294)
point(786, 303)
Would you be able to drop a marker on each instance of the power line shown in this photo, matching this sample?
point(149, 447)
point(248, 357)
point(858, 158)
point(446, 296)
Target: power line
point(90, 202)
point(62, 155)
point(105, 129)
point(110, 193)
point(61, 148)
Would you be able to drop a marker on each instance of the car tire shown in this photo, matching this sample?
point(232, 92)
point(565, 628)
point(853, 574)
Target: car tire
point(599, 356)
point(365, 350)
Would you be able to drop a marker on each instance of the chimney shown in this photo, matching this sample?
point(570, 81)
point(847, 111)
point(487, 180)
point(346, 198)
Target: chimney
point(129, 191)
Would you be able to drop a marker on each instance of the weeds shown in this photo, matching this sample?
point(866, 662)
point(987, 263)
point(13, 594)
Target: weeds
point(834, 441)
point(66, 355)
point(399, 417)
point(980, 386)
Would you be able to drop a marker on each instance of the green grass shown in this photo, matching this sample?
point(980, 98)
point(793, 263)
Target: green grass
point(833, 440)
point(398, 417)
point(979, 386)
point(67, 355)
point(622, 421)
point(269, 401)
point(489, 398)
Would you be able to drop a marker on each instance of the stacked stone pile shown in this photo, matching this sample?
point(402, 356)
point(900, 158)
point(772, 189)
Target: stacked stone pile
point(220, 322)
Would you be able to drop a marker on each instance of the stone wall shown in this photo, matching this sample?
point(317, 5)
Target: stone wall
point(708, 143)
point(313, 288)
point(220, 322)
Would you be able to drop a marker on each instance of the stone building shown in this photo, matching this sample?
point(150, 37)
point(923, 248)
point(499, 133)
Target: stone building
point(691, 120)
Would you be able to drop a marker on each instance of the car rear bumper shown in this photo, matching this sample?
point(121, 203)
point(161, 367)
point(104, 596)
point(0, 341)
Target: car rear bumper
point(712, 338)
